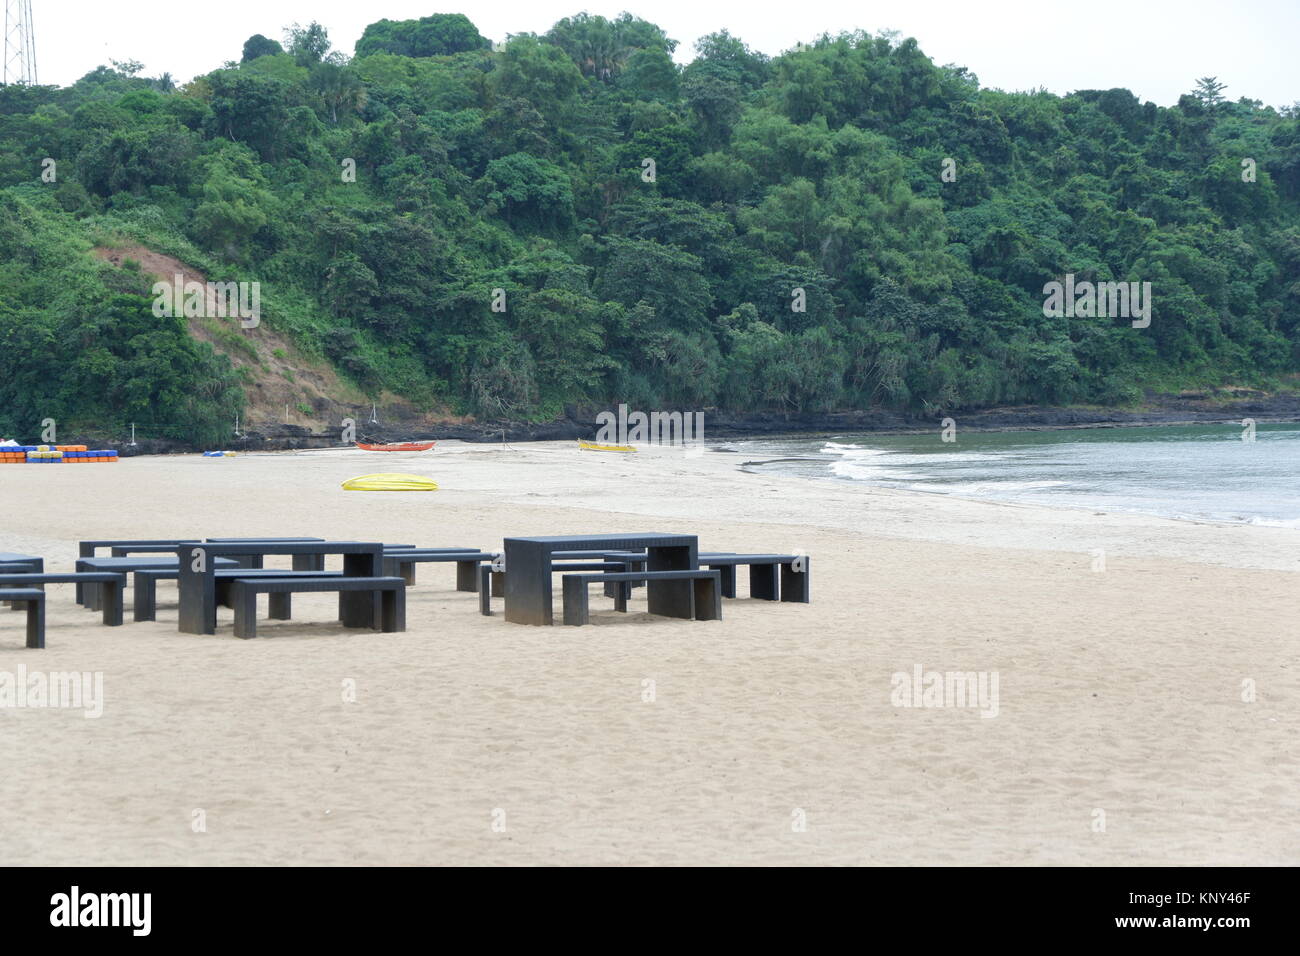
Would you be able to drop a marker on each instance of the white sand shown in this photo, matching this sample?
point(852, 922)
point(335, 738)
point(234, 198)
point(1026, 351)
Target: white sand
point(1119, 691)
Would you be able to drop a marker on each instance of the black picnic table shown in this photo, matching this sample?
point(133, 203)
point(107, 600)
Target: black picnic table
point(528, 570)
point(197, 583)
point(307, 562)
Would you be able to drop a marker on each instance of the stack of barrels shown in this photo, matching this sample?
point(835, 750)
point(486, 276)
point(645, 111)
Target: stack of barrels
point(49, 455)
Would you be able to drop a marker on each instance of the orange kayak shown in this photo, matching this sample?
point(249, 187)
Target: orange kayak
point(399, 446)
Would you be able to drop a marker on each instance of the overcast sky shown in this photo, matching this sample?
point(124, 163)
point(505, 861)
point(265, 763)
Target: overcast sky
point(1156, 48)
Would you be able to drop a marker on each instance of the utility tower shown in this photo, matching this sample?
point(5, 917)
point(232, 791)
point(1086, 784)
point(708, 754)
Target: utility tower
point(19, 55)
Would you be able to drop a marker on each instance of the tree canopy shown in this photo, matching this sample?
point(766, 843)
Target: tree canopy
point(574, 219)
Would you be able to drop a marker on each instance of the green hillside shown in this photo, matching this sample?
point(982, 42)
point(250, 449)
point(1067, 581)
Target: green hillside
point(503, 249)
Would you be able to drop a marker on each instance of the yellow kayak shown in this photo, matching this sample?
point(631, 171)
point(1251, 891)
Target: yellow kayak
point(390, 482)
point(593, 446)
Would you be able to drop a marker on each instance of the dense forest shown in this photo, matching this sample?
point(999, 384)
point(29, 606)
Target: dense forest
point(574, 219)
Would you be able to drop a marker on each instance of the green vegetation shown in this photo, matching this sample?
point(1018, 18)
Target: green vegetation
point(383, 201)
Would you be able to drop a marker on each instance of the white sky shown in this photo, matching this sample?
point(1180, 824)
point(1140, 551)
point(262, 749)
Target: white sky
point(1157, 48)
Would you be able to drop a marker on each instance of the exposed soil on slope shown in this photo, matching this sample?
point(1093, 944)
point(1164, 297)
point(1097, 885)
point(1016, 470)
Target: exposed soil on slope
point(278, 374)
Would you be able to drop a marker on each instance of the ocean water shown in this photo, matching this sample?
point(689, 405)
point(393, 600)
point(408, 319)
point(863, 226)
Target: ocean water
point(1203, 472)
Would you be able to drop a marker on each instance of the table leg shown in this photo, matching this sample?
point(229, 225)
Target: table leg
point(796, 585)
point(528, 582)
point(197, 592)
point(671, 598)
point(361, 608)
point(146, 597)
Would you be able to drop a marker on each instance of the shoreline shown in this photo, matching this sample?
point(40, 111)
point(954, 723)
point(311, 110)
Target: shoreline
point(1095, 509)
point(727, 426)
point(849, 486)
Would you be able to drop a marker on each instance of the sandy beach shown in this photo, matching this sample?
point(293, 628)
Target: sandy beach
point(1121, 735)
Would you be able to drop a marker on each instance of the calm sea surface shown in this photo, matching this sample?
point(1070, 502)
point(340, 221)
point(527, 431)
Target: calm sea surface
point(1187, 471)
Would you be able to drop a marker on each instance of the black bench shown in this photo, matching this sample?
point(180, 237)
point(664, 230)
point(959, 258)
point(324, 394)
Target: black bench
point(109, 585)
point(402, 563)
point(12, 561)
point(15, 563)
point(772, 577)
point(705, 604)
point(491, 582)
point(244, 592)
point(145, 590)
point(634, 561)
point(89, 593)
point(407, 568)
point(33, 601)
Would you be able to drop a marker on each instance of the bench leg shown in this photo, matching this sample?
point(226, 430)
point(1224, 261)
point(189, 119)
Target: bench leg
point(620, 590)
point(112, 599)
point(94, 600)
point(393, 609)
point(145, 598)
point(357, 608)
point(18, 605)
point(485, 590)
point(708, 600)
point(245, 601)
point(728, 578)
point(763, 581)
point(35, 623)
point(498, 582)
point(796, 585)
point(466, 575)
point(281, 605)
point(408, 573)
point(627, 564)
point(575, 602)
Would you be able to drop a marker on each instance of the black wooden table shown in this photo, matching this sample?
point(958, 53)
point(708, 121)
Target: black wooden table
point(88, 549)
point(306, 562)
point(197, 584)
point(528, 570)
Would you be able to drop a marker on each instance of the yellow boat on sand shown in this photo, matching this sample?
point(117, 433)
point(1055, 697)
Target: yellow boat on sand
point(595, 446)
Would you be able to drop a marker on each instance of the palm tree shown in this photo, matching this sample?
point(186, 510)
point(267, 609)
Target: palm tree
point(338, 88)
